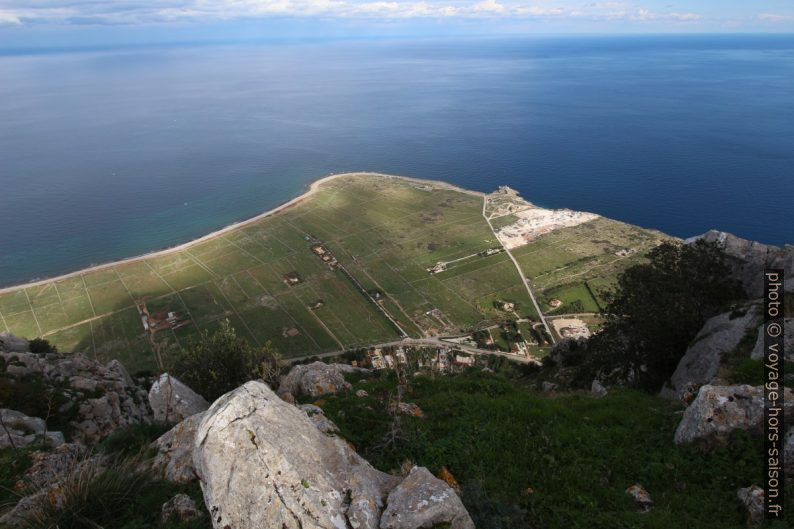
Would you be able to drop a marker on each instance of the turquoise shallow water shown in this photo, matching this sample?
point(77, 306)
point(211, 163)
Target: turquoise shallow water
point(106, 154)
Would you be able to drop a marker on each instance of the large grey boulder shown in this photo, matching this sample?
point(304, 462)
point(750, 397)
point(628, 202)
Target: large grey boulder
point(701, 362)
point(719, 410)
point(788, 341)
point(262, 462)
point(748, 259)
point(173, 401)
point(19, 430)
point(174, 459)
point(316, 379)
point(423, 500)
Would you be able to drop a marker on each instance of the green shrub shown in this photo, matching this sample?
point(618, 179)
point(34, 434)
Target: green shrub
point(220, 362)
point(119, 494)
point(41, 346)
point(134, 438)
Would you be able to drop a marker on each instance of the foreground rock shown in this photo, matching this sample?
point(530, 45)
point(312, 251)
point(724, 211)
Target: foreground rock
point(423, 500)
point(701, 362)
point(719, 410)
point(174, 459)
point(262, 463)
point(19, 431)
point(316, 379)
point(173, 401)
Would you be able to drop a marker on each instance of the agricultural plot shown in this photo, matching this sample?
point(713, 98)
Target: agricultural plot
point(263, 277)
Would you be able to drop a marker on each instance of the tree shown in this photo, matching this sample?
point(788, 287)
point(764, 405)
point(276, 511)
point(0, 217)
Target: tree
point(658, 308)
point(219, 362)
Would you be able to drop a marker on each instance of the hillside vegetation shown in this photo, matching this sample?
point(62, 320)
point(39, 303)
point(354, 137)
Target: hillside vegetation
point(538, 460)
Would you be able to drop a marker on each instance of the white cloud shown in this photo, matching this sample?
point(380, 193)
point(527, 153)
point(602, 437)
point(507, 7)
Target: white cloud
point(775, 17)
point(135, 11)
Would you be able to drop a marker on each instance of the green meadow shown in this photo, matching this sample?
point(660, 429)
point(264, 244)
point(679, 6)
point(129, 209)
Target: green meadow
point(384, 230)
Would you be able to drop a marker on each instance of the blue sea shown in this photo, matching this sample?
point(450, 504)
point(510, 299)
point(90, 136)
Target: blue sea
point(109, 153)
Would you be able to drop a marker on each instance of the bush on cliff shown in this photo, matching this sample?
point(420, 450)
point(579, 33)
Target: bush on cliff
point(221, 361)
point(657, 309)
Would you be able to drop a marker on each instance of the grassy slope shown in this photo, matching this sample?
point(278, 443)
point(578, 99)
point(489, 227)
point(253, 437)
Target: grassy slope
point(577, 453)
point(386, 231)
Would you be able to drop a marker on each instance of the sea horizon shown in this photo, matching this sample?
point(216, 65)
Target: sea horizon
point(175, 142)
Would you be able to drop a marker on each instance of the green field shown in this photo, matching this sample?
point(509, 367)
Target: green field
point(385, 231)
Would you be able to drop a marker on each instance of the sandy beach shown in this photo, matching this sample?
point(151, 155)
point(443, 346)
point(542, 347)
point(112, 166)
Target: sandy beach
point(313, 188)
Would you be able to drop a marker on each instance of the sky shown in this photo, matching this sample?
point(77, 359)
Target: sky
point(43, 23)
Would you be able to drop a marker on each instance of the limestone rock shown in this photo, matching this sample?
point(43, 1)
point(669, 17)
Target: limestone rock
point(362, 393)
point(21, 430)
point(262, 462)
point(173, 401)
point(753, 500)
point(180, 508)
point(422, 500)
point(642, 499)
point(748, 259)
point(700, 363)
point(548, 386)
point(719, 410)
point(317, 416)
point(103, 398)
point(316, 379)
point(788, 341)
point(174, 459)
point(12, 344)
point(409, 408)
point(597, 388)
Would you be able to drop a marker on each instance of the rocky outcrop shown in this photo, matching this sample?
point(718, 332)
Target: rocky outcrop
point(98, 399)
point(180, 508)
point(788, 341)
point(642, 499)
point(172, 401)
point(18, 430)
point(719, 410)
point(788, 453)
point(316, 379)
point(701, 362)
point(263, 463)
point(174, 459)
point(597, 389)
point(753, 500)
point(748, 259)
point(423, 500)
point(12, 344)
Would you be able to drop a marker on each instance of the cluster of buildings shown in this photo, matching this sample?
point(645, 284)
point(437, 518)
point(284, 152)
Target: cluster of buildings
point(159, 320)
point(439, 359)
point(323, 253)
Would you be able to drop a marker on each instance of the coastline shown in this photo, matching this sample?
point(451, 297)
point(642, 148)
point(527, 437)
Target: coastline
point(313, 187)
